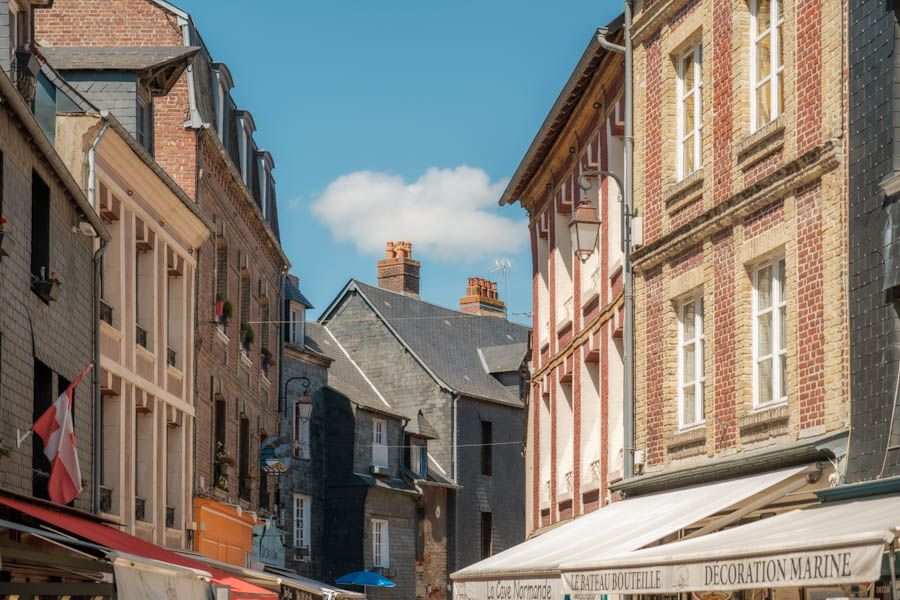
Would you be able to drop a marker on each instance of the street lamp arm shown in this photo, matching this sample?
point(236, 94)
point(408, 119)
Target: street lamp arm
point(584, 184)
point(301, 378)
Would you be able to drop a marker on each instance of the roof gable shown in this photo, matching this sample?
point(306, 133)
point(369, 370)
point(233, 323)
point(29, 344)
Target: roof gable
point(444, 342)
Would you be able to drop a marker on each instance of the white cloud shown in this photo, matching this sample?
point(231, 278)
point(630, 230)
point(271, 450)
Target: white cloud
point(445, 213)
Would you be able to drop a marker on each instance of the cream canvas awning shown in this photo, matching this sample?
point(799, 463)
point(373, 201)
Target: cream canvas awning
point(139, 578)
point(531, 570)
point(825, 545)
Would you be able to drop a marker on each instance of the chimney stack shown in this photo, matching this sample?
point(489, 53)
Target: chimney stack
point(397, 271)
point(481, 299)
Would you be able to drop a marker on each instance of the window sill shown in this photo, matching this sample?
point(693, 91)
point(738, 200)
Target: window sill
point(148, 354)
point(760, 143)
point(220, 333)
point(688, 441)
point(616, 269)
point(766, 416)
point(173, 370)
point(246, 359)
point(681, 193)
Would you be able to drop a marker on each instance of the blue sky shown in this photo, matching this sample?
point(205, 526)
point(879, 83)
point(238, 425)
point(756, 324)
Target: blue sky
point(399, 119)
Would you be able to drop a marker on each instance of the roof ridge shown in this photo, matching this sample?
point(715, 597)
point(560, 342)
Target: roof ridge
point(428, 302)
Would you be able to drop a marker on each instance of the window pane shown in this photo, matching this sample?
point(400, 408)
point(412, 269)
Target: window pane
point(689, 114)
point(763, 57)
point(783, 360)
point(764, 332)
point(689, 405)
point(688, 166)
point(688, 320)
point(763, 114)
point(764, 287)
point(765, 381)
point(779, 93)
point(763, 13)
point(781, 282)
point(688, 72)
point(781, 338)
point(689, 362)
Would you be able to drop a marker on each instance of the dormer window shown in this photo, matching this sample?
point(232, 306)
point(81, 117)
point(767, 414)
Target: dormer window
point(417, 461)
point(297, 325)
point(144, 123)
point(247, 152)
point(264, 168)
point(223, 84)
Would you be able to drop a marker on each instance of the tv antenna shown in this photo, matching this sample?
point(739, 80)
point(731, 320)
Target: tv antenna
point(503, 265)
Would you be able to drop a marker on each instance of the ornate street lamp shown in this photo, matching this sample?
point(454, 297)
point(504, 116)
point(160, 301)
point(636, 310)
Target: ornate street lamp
point(304, 407)
point(585, 229)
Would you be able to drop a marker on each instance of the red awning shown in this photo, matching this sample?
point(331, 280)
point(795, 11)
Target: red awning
point(118, 540)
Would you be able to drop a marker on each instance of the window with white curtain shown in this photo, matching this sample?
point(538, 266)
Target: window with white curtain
point(690, 361)
point(766, 61)
point(769, 348)
point(690, 110)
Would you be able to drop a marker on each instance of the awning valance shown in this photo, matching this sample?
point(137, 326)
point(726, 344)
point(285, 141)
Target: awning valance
point(139, 578)
point(830, 544)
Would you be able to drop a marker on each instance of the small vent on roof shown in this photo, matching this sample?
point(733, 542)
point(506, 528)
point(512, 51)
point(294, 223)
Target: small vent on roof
point(386, 303)
point(509, 337)
point(446, 322)
point(467, 378)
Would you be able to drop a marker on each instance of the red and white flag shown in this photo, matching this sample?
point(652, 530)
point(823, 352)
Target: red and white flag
point(56, 429)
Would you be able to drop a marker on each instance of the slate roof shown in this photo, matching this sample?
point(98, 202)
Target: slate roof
point(447, 341)
point(344, 376)
point(292, 292)
point(125, 58)
point(503, 359)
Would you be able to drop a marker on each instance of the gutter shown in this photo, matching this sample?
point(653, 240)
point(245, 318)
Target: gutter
point(97, 471)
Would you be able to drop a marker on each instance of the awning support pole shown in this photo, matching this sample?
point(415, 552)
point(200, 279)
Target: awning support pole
point(891, 560)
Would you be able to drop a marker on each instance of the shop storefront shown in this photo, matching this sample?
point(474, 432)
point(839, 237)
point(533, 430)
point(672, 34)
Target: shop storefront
point(224, 533)
point(532, 570)
point(833, 550)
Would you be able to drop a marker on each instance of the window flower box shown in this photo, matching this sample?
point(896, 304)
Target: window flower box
point(47, 287)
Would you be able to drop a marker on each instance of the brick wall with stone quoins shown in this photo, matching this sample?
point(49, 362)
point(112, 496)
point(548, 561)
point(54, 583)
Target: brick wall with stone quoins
point(768, 188)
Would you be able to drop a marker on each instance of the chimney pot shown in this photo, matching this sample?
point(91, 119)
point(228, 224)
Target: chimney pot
point(398, 272)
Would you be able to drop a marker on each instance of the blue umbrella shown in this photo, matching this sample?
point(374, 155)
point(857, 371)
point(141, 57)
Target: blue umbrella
point(365, 579)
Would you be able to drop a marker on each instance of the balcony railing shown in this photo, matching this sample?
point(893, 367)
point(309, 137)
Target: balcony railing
point(570, 482)
point(106, 313)
point(171, 357)
point(106, 499)
point(595, 470)
point(140, 506)
point(170, 517)
point(140, 335)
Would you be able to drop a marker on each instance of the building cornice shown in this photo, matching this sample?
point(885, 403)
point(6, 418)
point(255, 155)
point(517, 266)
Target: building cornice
point(306, 356)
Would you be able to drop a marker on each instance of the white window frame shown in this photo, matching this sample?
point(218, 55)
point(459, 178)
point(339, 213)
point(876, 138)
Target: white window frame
point(220, 108)
point(297, 324)
point(301, 522)
point(776, 68)
point(698, 341)
point(263, 186)
point(379, 443)
point(381, 549)
point(777, 351)
point(694, 54)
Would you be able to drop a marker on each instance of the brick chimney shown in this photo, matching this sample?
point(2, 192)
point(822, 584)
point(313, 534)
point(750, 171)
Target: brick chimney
point(481, 299)
point(397, 271)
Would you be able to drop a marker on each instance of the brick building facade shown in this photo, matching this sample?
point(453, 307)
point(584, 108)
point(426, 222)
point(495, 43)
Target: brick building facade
point(741, 282)
point(206, 144)
point(574, 432)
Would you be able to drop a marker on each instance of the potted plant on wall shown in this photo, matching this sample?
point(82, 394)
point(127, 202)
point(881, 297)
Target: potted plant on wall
point(47, 286)
point(247, 336)
point(5, 240)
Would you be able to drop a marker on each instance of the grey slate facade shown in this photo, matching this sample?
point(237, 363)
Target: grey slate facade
point(422, 356)
point(44, 345)
point(874, 261)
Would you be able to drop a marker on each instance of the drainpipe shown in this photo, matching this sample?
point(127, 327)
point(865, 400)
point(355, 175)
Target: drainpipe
point(628, 214)
point(98, 434)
